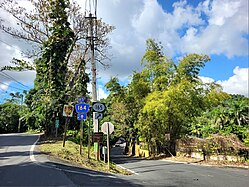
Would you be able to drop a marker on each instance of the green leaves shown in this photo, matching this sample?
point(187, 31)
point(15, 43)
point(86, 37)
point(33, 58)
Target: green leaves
point(20, 65)
point(162, 99)
point(190, 66)
point(9, 117)
point(229, 117)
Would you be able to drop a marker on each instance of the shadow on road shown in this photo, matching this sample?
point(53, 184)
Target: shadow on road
point(7, 155)
point(57, 174)
point(14, 138)
point(118, 157)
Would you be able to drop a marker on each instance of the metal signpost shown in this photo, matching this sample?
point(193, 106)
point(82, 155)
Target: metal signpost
point(82, 109)
point(67, 112)
point(97, 109)
point(56, 126)
point(107, 128)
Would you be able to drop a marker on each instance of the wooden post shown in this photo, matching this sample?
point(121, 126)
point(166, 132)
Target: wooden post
point(108, 147)
point(81, 136)
point(89, 143)
point(56, 132)
point(65, 131)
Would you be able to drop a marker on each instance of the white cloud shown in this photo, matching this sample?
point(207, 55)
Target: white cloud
point(206, 79)
point(4, 87)
point(222, 10)
point(102, 94)
point(238, 83)
point(227, 24)
point(8, 51)
point(213, 27)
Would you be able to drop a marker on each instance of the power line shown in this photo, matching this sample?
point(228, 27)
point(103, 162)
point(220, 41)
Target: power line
point(10, 77)
point(11, 86)
point(3, 90)
point(10, 45)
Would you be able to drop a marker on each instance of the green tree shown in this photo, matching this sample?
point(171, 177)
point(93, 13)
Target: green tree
point(125, 104)
point(229, 117)
point(57, 31)
point(190, 66)
point(161, 100)
point(176, 96)
point(159, 69)
point(168, 113)
point(9, 117)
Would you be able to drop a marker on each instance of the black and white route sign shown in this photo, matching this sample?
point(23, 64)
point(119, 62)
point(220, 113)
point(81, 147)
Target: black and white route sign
point(99, 116)
point(98, 107)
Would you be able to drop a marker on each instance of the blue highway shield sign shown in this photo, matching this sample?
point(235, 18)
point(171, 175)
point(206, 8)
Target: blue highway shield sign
point(81, 116)
point(82, 108)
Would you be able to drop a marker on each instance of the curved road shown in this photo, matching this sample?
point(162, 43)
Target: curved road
point(22, 165)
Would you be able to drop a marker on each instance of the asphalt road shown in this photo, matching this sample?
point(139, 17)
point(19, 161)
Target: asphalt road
point(21, 164)
point(173, 174)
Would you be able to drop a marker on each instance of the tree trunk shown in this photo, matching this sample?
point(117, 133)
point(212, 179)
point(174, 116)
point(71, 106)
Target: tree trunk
point(172, 147)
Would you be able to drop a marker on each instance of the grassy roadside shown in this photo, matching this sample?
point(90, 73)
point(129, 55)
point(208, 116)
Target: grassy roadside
point(70, 153)
point(31, 131)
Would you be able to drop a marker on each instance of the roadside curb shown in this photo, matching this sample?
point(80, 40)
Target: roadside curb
point(131, 171)
point(209, 165)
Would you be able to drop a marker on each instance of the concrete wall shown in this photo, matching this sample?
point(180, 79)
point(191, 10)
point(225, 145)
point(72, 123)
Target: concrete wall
point(199, 155)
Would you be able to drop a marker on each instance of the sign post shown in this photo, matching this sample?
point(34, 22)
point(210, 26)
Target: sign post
point(81, 136)
point(65, 132)
point(82, 109)
point(56, 126)
point(89, 139)
point(108, 128)
point(97, 108)
point(108, 147)
point(67, 112)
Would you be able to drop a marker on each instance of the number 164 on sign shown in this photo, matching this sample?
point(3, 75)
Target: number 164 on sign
point(82, 108)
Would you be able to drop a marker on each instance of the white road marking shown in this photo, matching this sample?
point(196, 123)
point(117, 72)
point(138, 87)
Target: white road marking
point(89, 174)
point(133, 172)
point(31, 152)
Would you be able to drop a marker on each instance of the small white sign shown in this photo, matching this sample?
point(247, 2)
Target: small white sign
point(98, 116)
point(105, 126)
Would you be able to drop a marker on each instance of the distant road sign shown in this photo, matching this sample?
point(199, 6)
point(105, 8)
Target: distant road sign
point(57, 123)
point(105, 126)
point(98, 107)
point(98, 137)
point(68, 110)
point(82, 108)
point(81, 116)
point(99, 116)
point(82, 99)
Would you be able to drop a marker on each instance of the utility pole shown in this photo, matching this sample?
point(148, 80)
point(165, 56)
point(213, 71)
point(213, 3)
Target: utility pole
point(91, 11)
point(20, 119)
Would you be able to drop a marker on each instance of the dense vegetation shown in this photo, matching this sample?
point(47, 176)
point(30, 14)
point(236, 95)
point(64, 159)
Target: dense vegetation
point(162, 103)
point(167, 101)
point(57, 31)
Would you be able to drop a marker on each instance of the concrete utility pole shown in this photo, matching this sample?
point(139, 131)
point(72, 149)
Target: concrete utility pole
point(91, 15)
point(20, 119)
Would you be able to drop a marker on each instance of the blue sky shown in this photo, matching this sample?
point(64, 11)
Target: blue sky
point(218, 28)
point(220, 67)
